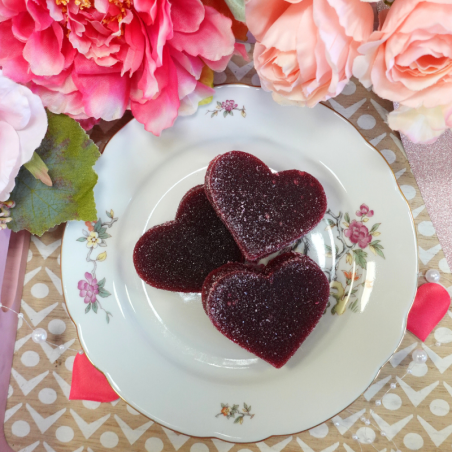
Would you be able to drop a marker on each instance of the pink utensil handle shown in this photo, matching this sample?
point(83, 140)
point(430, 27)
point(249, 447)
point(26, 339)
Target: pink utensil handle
point(11, 294)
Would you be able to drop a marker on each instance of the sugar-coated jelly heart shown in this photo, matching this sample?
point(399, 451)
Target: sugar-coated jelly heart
point(179, 254)
point(264, 211)
point(268, 311)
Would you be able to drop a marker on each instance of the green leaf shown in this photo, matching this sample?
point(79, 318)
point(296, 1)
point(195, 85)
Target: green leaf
point(95, 306)
point(331, 224)
point(98, 226)
point(379, 252)
point(70, 155)
point(361, 258)
point(104, 235)
point(103, 293)
point(375, 227)
point(81, 239)
point(223, 405)
point(347, 217)
point(328, 249)
point(375, 242)
point(237, 8)
point(218, 104)
point(238, 420)
point(225, 113)
point(101, 283)
point(88, 308)
point(108, 318)
point(108, 214)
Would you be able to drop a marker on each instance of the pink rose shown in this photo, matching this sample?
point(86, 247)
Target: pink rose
point(97, 58)
point(305, 48)
point(23, 124)
point(409, 60)
point(358, 233)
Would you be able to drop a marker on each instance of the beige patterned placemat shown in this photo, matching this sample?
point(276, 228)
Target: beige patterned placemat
point(415, 416)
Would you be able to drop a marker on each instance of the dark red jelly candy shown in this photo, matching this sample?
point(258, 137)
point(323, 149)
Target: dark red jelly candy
point(179, 254)
point(264, 211)
point(268, 312)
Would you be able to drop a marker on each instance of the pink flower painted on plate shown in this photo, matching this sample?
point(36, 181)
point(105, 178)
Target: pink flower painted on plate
point(89, 288)
point(358, 233)
point(364, 211)
point(229, 105)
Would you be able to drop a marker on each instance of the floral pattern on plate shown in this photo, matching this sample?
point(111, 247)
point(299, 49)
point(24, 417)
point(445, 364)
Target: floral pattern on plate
point(227, 107)
point(355, 238)
point(90, 289)
point(231, 412)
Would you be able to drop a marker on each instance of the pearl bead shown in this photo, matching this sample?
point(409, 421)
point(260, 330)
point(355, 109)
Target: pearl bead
point(363, 419)
point(367, 422)
point(419, 356)
point(61, 347)
point(378, 402)
point(336, 424)
point(20, 315)
point(355, 437)
point(39, 335)
point(393, 385)
point(409, 371)
point(369, 440)
point(383, 434)
point(438, 344)
point(80, 352)
point(433, 276)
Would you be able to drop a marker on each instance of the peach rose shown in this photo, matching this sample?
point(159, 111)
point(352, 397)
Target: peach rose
point(305, 48)
point(409, 60)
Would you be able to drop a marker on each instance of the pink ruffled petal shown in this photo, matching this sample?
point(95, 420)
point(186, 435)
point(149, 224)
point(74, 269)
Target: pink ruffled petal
point(43, 51)
point(23, 26)
point(213, 41)
point(10, 47)
point(105, 92)
point(187, 15)
point(160, 113)
point(189, 104)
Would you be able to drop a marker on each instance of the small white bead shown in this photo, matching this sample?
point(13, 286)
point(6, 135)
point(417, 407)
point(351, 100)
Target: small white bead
point(363, 418)
point(39, 335)
point(409, 371)
point(336, 424)
point(378, 402)
point(393, 385)
point(383, 433)
point(419, 356)
point(433, 276)
point(367, 422)
point(369, 440)
point(438, 344)
point(20, 315)
point(80, 352)
point(61, 347)
point(355, 437)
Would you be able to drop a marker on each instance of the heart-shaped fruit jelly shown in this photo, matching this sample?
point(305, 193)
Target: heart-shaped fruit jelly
point(179, 254)
point(268, 312)
point(264, 211)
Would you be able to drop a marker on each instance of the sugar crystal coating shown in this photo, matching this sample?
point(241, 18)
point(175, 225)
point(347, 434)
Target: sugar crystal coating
point(179, 254)
point(264, 211)
point(268, 312)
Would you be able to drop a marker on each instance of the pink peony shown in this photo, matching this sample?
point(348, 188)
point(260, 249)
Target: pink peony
point(358, 233)
point(23, 124)
point(409, 60)
point(97, 58)
point(305, 48)
point(88, 289)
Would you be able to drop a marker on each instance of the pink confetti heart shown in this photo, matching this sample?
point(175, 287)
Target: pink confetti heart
point(430, 306)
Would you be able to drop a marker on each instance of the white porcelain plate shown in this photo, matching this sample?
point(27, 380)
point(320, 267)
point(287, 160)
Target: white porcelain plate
point(159, 350)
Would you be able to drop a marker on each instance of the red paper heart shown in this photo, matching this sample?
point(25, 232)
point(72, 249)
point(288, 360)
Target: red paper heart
point(88, 383)
point(270, 311)
point(179, 254)
point(430, 306)
point(264, 211)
